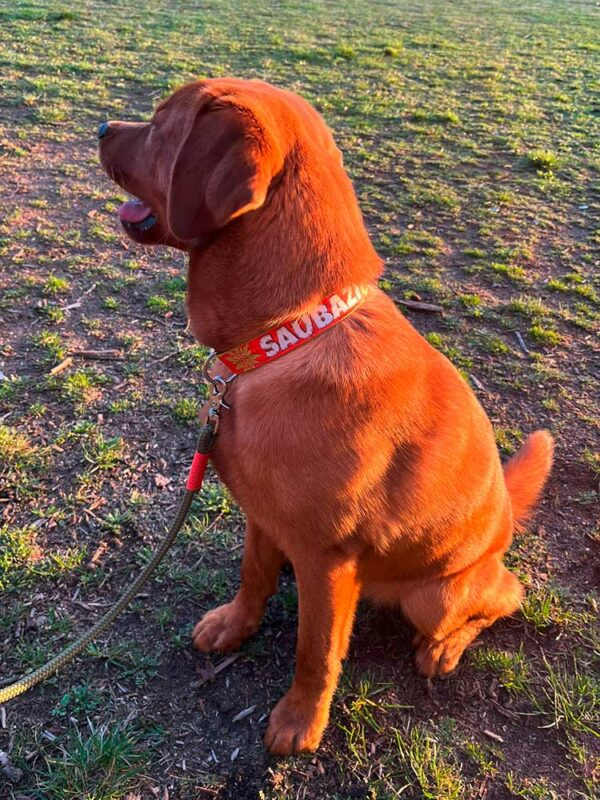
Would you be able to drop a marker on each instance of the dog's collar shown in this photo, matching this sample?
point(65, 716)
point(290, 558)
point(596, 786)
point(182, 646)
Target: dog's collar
point(278, 341)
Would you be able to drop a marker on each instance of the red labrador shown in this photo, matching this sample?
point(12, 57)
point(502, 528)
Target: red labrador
point(363, 457)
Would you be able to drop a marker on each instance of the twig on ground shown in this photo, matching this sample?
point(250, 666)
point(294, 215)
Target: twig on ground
point(243, 714)
point(98, 553)
point(98, 354)
point(477, 383)
point(502, 710)
point(521, 342)
point(493, 735)
point(77, 303)
point(418, 306)
point(215, 671)
point(164, 358)
point(133, 315)
point(92, 606)
point(64, 364)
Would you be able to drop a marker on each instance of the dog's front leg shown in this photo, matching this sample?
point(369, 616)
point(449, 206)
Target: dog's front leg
point(228, 626)
point(328, 591)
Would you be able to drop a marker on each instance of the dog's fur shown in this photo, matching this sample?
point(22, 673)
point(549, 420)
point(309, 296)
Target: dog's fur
point(363, 458)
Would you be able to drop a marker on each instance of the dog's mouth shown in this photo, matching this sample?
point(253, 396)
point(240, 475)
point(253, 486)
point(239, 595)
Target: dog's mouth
point(135, 215)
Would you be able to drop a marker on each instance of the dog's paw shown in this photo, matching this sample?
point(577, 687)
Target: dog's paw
point(223, 629)
point(295, 726)
point(440, 657)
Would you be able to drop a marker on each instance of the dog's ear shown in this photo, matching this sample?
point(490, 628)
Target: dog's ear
point(222, 170)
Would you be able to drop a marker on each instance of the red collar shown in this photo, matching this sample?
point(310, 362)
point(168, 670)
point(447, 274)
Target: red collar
point(281, 340)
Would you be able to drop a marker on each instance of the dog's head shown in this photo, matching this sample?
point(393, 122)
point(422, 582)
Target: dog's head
point(211, 152)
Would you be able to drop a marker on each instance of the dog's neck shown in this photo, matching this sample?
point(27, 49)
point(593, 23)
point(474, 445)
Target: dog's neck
point(275, 264)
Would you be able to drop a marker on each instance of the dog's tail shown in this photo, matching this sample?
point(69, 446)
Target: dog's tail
point(526, 473)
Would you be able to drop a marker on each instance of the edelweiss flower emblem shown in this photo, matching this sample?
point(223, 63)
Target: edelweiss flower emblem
point(242, 358)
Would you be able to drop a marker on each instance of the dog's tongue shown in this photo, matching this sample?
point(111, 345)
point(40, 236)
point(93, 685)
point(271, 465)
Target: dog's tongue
point(134, 211)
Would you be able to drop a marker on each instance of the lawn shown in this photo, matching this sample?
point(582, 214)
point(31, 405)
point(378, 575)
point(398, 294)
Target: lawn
point(471, 131)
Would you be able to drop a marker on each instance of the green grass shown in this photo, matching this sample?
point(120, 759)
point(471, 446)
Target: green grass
point(432, 768)
point(104, 454)
point(51, 343)
point(82, 387)
point(512, 271)
point(543, 160)
point(15, 447)
point(132, 663)
point(79, 700)
point(23, 563)
point(545, 336)
point(508, 439)
point(511, 667)
point(101, 761)
point(546, 606)
point(186, 409)
point(158, 303)
point(570, 697)
point(55, 285)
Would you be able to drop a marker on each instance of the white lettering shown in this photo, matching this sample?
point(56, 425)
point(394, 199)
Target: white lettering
point(270, 347)
point(337, 305)
point(351, 299)
point(303, 333)
point(322, 317)
point(285, 338)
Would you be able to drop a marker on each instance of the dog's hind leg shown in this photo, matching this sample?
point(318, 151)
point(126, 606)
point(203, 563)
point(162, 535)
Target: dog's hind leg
point(227, 627)
point(449, 612)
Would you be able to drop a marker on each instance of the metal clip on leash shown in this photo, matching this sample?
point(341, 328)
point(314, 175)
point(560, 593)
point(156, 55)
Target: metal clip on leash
point(218, 388)
point(206, 440)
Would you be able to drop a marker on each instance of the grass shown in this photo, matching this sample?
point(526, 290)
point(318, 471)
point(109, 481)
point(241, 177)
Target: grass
point(82, 387)
point(545, 336)
point(55, 285)
point(100, 762)
point(15, 447)
point(133, 665)
point(23, 563)
point(512, 271)
point(570, 697)
point(469, 131)
point(436, 774)
point(186, 409)
point(547, 606)
point(104, 454)
point(79, 700)
point(543, 160)
point(159, 304)
point(511, 667)
point(51, 343)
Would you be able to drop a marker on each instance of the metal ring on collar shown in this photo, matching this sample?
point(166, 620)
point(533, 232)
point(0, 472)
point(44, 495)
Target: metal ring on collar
point(215, 380)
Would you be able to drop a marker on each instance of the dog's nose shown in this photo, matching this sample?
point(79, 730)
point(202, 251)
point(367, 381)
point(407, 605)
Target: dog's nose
point(103, 129)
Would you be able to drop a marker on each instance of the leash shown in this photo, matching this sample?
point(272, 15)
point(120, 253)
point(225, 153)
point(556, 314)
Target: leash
point(206, 440)
point(245, 357)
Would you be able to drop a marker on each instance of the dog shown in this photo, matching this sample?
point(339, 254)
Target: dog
point(362, 458)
